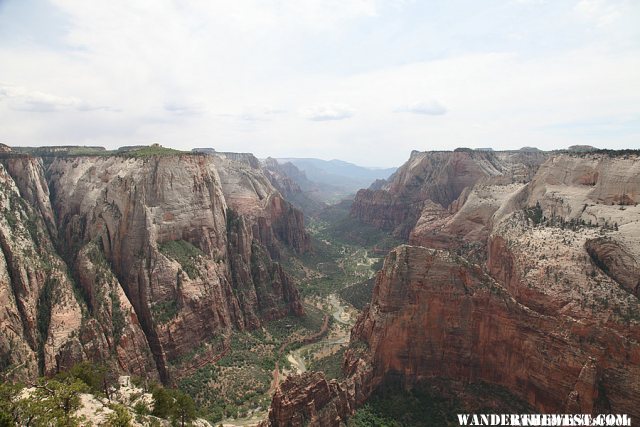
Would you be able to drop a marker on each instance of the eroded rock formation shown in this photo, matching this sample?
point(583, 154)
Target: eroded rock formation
point(527, 285)
point(437, 178)
point(137, 259)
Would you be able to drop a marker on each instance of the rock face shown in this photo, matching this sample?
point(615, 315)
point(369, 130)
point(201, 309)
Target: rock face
point(137, 260)
point(434, 315)
point(289, 180)
point(531, 286)
point(437, 178)
point(309, 400)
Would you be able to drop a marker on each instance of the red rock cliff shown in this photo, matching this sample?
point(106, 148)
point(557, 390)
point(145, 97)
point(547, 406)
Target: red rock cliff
point(164, 254)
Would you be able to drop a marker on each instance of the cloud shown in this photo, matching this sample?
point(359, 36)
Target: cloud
point(22, 99)
point(326, 112)
point(527, 2)
point(431, 108)
point(184, 109)
point(601, 12)
point(255, 113)
point(220, 64)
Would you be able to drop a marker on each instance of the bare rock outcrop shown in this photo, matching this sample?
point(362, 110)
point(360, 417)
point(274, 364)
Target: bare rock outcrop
point(438, 178)
point(528, 285)
point(163, 253)
point(433, 314)
point(309, 400)
point(40, 321)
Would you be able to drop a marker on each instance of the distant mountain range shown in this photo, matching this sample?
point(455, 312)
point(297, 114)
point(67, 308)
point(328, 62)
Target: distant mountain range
point(336, 178)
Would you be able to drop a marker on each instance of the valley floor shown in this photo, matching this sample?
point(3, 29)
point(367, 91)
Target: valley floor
point(333, 267)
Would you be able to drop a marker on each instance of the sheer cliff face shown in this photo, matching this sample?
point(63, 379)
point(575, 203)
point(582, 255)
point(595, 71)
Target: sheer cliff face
point(532, 286)
point(431, 179)
point(543, 295)
point(156, 255)
point(250, 192)
point(289, 181)
point(435, 315)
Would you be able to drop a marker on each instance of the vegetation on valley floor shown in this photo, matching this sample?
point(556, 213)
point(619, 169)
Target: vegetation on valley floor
point(359, 295)
point(434, 403)
point(330, 365)
point(239, 383)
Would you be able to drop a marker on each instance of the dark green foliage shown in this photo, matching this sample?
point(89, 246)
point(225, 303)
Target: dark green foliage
point(330, 365)
point(153, 150)
point(359, 295)
point(463, 150)
point(163, 402)
point(45, 302)
point(185, 253)
point(534, 213)
point(174, 404)
point(118, 320)
point(55, 402)
point(368, 416)
point(609, 153)
point(434, 404)
point(394, 407)
point(98, 377)
point(9, 410)
point(120, 417)
point(164, 311)
point(184, 409)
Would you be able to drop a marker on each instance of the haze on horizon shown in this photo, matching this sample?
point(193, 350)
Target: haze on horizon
point(365, 81)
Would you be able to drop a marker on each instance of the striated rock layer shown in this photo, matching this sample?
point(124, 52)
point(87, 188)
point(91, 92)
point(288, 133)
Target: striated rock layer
point(531, 286)
point(137, 260)
point(437, 178)
point(434, 315)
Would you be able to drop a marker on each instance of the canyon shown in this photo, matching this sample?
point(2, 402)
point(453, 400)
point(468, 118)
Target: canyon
point(515, 269)
point(136, 257)
point(520, 271)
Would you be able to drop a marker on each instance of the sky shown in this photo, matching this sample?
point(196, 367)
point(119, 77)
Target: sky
point(365, 81)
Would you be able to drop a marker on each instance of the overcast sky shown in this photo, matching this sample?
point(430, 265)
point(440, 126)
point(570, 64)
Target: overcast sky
point(365, 81)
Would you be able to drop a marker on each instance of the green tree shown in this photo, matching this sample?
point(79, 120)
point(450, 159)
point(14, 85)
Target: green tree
point(99, 377)
point(120, 417)
point(9, 410)
point(184, 409)
point(55, 402)
point(162, 402)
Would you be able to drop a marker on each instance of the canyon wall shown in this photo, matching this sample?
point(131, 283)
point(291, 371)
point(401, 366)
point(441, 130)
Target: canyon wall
point(437, 178)
point(138, 260)
point(532, 286)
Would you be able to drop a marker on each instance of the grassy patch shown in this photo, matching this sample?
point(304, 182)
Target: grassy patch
point(185, 253)
point(153, 151)
point(359, 295)
point(164, 311)
point(239, 382)
point(330, 365)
